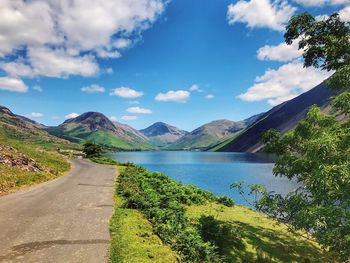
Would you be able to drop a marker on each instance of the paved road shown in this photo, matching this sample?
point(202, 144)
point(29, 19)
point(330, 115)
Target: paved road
point(62, 221)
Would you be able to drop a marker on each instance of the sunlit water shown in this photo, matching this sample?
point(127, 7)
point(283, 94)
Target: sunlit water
point(214, 172)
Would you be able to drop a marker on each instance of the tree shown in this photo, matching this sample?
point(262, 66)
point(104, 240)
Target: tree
point(317, 152)
point(91, 149)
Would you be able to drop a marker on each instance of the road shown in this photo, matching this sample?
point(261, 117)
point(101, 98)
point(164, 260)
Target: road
point(65, 220)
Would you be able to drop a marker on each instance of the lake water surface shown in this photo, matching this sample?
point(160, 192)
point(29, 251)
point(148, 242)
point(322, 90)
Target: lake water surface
point(211, 171)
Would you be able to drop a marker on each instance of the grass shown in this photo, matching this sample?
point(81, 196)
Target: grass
point(40, 147)
point(106, 138)
point(103, 160)
point(132, 237)
point(262, 236)
point(261, 239)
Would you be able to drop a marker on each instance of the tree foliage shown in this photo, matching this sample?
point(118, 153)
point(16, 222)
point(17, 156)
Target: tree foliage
point(92, 150)
point(317, 152)
point(163, 201)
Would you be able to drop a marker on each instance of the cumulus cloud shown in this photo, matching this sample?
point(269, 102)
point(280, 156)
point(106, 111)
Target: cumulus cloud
point(113, 118)
point(210, 96)
point(129, 118)
point(177, 96)
point(271, 14)
point(284, 83)
point(195, 88)
point(63, 38)
point(126, 92)
point(71, 115)
point(281, 52)
point(12, 84)
point(345, 13)
point(321, 2)
point(35, 115)
point(94, 88)
point(133, 102)
point(139, 110)
point(50, 62)
point(37, 88)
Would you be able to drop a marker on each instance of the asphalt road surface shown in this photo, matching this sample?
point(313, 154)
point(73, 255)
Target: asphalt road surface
point(65, 220)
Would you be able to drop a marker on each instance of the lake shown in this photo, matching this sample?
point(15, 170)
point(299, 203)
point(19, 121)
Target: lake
point(211, 171)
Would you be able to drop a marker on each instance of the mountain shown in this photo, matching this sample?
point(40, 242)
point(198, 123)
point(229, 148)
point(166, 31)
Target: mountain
point(283, 117)
point(161, 134)
point(96, 127)
point(210, 134)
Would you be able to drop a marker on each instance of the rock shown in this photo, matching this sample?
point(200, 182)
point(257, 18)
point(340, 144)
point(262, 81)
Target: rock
point(9, 156)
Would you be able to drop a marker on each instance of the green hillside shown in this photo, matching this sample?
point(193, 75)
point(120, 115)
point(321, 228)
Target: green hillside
point(28, 154)
point(95, 127)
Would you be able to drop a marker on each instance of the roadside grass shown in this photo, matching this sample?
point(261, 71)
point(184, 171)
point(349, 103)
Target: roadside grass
point(12, 178)
point(264, 238)
point(38, 146)
point(104, 160)
point(240, 234)
point(133, 239)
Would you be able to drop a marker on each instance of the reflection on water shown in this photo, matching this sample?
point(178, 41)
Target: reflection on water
point(214, 172)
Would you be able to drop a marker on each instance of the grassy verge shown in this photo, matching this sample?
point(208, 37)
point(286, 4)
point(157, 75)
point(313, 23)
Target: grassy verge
point(133, 239)
point(263, 238)
point(38, 146)
point(103, 160)
point(159, 220)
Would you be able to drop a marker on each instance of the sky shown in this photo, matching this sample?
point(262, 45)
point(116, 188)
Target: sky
point(182, 62)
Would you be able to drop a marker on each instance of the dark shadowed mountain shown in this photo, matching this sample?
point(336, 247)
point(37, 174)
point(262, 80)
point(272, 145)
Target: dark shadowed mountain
point(96, 127)
point(210, 134)
point(283, 117)
point(161, 134)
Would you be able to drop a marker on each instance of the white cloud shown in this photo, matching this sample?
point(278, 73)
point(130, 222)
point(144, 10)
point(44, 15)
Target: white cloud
point(63, 38)
point(133, 102)
point(122, 43)
point(139, 110)
point(109, 71)
point(35, 115)
point(321, 2)
point(12, 84)
point(113, 118)
point(52, 63)
point(345, 14)
point(37, 88)
point(281, 52)
point(93, 89)
point(210, 96)
point(271, 14)
point(196, 88)
point(71, 115)
point(284, 83)
point(129, 118)
point(126, 92)
point(176, 96)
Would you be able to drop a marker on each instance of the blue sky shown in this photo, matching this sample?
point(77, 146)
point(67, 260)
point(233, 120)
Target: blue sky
point(141, 61)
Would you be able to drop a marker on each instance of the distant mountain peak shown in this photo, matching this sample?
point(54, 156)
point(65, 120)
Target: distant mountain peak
point(93, 120)
point(162, 134)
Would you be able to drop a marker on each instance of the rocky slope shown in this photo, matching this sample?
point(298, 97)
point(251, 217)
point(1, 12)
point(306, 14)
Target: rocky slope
point(161, 134)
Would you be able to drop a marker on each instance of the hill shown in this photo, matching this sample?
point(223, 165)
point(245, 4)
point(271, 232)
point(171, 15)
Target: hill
point(283, 117)
point(96, 127)
point(210, 134)
point(161, 134)
point(28, 154)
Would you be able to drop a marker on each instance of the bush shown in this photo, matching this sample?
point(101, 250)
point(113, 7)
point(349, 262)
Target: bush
point(163, 202)
point(92, 150)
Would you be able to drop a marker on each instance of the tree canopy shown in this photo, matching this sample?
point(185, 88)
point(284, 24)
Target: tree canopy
point(317, 152)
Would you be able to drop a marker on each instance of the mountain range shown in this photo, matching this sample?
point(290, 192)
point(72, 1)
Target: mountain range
point(219, 135)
